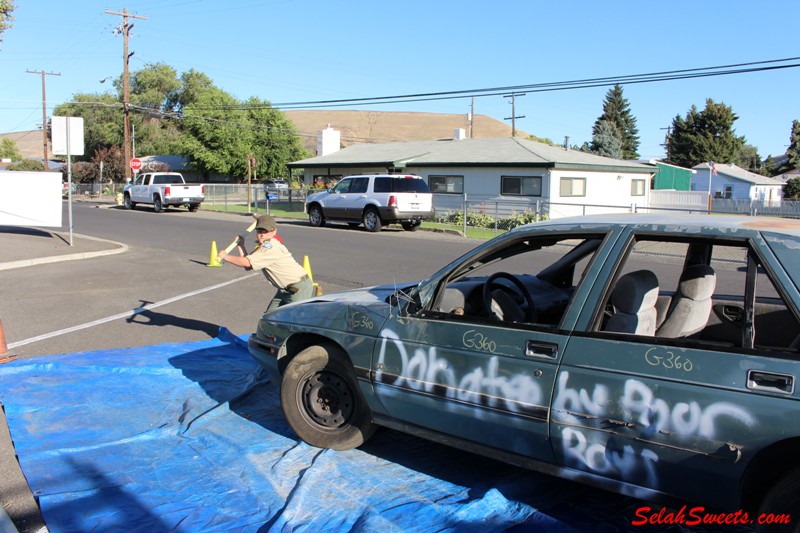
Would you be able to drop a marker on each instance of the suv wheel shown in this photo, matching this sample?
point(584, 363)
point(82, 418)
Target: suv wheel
point(315, 216)
point(372, 220)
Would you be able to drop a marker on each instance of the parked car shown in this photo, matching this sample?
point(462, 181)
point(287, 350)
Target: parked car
point(653, 355)
point(272, 185)
point(163, 189)
point(374, 200)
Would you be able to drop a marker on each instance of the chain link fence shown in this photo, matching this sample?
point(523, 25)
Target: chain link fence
point(461, 212)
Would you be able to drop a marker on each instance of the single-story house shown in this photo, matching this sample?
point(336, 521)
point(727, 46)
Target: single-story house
point(732, 182)
point(567, 182)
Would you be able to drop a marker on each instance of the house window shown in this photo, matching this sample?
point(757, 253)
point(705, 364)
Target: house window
point(728, 191)
point(446, 184)
point(637, 187)
point(521, 185)
point(573, 186)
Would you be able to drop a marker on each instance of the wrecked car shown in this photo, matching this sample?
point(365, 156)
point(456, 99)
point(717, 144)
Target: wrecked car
point(652, 355)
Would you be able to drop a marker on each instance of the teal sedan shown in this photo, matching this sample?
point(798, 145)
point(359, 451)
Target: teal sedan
point(652, 355)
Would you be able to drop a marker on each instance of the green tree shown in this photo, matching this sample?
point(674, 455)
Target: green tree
point(704, 136)
point(791, 189)
point(220, 134)
point(102, 120)
point(9, 150)
point(793, 152)
point(6, 18)
point(769, 166)
point(193, 84)
point(616, 110)
point(30, 165)
point(749, 159)
point(607, 140)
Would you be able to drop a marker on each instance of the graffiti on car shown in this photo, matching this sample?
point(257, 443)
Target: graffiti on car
point(423, 370)
point(642, 416)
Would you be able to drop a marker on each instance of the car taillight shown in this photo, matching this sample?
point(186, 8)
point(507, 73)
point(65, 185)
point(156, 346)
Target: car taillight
point(393, 201)
point(166, 190)
point(203, 189)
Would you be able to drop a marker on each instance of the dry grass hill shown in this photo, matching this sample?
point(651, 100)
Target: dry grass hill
point(355, 126)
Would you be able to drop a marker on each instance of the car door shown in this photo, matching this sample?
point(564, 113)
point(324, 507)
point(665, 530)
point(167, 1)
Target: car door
point(139, 189)
point(450, 369)
point(356, 199)
point(686, 415)
point(335, 205)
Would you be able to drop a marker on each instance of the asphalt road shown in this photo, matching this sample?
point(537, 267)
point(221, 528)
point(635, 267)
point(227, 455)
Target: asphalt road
point(93, 304)
point(89, 304)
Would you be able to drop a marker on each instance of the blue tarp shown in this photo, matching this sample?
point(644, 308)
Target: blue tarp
point(191, 437)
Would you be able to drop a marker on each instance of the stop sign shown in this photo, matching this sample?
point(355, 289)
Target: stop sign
point(136, 163)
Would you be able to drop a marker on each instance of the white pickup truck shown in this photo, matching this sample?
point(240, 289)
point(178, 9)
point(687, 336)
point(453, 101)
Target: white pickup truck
point(163, 189)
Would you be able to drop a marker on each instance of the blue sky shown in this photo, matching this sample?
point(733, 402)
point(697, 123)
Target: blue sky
point(304, 50)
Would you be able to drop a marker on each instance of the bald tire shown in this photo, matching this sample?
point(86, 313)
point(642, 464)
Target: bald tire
point(783, 499)
point(321, 400)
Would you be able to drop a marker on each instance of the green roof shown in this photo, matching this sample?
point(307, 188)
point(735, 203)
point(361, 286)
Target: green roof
point(506, 151)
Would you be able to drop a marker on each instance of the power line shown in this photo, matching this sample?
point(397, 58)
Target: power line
point(701, 72)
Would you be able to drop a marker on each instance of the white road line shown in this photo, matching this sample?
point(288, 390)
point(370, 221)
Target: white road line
point(127, 314)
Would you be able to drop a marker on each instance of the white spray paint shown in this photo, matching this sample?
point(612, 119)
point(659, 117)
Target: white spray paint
point(424, 371)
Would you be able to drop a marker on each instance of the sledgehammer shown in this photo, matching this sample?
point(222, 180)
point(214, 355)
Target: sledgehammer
point(250, 228)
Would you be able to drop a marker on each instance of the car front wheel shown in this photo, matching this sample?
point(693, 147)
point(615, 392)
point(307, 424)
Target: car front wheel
point(783, 500)
point(321, 400)
point(127, 202)
point(372, 220)
point(315, 216)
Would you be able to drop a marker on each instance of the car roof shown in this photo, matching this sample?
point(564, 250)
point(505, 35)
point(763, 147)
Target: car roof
point(682, 223)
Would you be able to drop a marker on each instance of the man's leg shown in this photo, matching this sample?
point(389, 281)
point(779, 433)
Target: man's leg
point(305, 290)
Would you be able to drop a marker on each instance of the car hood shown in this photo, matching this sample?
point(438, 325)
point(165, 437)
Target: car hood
point(316, 196)
point(338, 309)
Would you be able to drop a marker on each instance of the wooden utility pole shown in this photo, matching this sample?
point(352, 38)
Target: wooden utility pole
point(471, 123)
point(44, 112)
point(513, 116)
point(125, 29)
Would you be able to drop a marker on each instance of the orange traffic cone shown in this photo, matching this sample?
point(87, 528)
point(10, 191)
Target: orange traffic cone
point(5, 357)
point(307, 268)
point(213, 260)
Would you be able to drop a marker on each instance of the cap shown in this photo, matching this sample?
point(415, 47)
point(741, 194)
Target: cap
point(266, 222)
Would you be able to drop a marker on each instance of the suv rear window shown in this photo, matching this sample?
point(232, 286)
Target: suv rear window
point(400, 184)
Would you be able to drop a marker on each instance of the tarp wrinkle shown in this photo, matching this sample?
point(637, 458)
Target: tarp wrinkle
point(103, 439)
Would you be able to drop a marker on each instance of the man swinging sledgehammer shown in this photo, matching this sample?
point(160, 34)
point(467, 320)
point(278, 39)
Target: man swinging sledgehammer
point(275, 261)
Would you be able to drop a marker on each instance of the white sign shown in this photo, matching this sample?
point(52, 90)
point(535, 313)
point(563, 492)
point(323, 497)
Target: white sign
point(63, 128)
point(30, 198)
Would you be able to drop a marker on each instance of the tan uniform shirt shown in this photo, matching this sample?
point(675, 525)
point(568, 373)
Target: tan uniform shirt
point(277, 263)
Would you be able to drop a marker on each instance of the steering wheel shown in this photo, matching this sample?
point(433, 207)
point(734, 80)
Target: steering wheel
point(530, 312)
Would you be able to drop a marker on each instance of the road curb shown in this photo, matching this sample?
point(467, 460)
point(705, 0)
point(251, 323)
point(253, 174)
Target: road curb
point(120, 248)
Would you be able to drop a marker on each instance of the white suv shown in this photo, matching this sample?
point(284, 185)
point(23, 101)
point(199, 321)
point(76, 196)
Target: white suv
point(374, 200)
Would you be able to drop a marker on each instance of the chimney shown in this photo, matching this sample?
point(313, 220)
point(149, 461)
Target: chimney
point(459, 134)
point(328, 141)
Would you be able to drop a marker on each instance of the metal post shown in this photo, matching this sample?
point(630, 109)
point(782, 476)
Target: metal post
point(69, 183)
point(465, 214)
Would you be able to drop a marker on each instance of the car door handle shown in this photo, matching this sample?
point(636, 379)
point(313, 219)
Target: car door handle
point(541, 349)
point(769, 382)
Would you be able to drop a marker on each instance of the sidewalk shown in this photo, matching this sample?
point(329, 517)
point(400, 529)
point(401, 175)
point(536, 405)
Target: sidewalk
point(23, 246)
